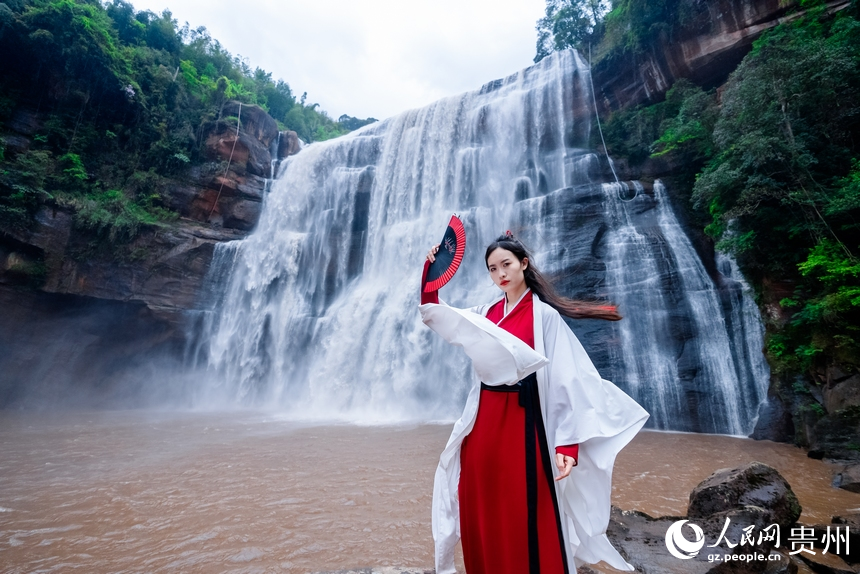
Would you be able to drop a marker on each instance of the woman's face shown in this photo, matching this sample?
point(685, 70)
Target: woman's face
point(507, 271)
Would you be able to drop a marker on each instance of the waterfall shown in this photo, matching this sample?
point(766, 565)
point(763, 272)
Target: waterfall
point(315, 312)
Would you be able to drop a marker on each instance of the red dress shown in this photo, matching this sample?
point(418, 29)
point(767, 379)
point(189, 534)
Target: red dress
point(494, 503)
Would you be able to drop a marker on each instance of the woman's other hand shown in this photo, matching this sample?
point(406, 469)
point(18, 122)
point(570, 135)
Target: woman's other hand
point(564, 464)
point(431, 255)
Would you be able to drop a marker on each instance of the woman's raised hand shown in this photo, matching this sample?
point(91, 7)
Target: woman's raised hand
point(431, 255)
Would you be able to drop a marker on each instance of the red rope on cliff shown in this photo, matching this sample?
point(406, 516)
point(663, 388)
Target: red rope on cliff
point(220, 189)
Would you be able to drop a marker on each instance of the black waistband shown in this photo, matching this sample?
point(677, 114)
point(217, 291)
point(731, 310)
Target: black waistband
point(515, 388)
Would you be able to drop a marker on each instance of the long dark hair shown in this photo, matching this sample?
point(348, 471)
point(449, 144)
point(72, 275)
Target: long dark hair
point(542, 287)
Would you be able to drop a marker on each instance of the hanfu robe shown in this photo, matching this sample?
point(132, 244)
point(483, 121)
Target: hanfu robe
point(577, 407)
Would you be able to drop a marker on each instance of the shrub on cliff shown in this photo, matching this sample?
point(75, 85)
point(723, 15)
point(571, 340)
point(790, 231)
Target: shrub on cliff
point(774, 168)
point(781, 189)
point(119, 92)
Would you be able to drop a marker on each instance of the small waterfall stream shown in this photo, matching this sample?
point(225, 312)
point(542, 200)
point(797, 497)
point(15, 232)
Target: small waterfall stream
point(316, 312)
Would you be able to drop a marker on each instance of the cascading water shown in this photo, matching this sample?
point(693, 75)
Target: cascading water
point(318, 310)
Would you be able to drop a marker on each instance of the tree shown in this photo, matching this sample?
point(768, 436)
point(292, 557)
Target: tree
point(569, 24)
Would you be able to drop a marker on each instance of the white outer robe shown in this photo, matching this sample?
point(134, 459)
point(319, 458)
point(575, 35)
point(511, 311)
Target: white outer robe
point(578, 407)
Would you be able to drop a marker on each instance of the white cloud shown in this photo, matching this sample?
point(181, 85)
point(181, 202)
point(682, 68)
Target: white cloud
point(374, 57)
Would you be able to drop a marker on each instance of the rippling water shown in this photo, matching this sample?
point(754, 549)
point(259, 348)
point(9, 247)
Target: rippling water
point(249, 492)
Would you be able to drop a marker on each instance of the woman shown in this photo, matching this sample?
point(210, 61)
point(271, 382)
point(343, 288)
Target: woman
point(495, 478)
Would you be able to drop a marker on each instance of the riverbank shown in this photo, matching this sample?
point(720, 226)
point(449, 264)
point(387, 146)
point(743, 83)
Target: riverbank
point(159, 492)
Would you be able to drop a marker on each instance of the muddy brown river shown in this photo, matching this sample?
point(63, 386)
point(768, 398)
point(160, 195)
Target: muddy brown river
point(250, 492)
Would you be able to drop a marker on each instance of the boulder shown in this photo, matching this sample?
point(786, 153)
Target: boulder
point(849, 478)
point(834, 435)
point(774, 420)
point(839, 394)
point(255, 121)
point(754, 484)
point(852, 521)
point(841, 550)
point(244, 153)
point(825, 563)
point(237, 207)
point(289, 144)
point(727, 503)
point(641, 540)
point(781, 564)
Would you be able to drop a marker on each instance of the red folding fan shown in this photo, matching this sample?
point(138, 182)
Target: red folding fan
point(449, 256)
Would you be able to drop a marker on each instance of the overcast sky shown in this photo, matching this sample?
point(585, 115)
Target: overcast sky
point(371, 57)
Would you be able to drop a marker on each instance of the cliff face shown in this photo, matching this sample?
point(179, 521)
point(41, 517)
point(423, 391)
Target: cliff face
point(163, 267)
point(78, 312)
point(706, 51)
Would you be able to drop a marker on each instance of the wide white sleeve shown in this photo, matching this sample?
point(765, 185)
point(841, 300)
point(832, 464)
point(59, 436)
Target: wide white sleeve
point(582, 408)
point(573, 401)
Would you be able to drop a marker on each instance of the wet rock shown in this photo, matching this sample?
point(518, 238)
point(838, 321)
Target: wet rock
point(839, 394)
point(224, 200)
point(66, 351)
point(754, 485)
point(782, 564)
point(848, 479)
point(289, 144)
point(244, 153)
point(728, 506)
point(774, 420)
point(835, 435)
point(825, 563)
point(164, 271)
point(852, 521)
point(255, 121)
point(641, 541)
point(841, 540)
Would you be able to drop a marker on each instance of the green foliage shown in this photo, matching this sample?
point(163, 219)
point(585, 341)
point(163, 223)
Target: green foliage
point(350, 123)
point(680, 126)
point(783, 187)
point(22, 188)
point(113, 216)
point(687, 132)
point(124, 97)
point(617, 27)
point(774, 169)
point(570, 23)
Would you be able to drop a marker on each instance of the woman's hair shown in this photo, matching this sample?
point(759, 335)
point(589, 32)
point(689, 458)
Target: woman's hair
point(541, 286)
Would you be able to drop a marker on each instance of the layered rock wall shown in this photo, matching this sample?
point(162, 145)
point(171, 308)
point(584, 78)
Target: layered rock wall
point(706, 51)
point(78, 317)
